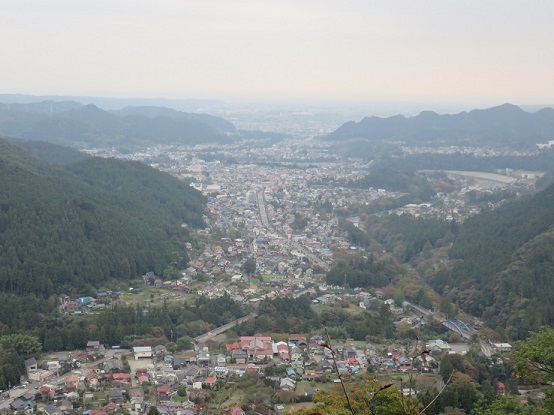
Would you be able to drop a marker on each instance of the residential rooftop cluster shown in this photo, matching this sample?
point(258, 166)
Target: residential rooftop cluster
point(100, 381)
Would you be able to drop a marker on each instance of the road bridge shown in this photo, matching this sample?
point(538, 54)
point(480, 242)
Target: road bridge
point(221, 329)
point(457, 326)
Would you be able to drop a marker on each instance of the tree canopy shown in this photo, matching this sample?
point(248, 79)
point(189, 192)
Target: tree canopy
point(76, 226)
point(535, 356)
point(363, 397)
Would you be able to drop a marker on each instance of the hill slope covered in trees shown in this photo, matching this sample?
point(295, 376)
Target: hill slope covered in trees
point(76, 226)
point(504, 265)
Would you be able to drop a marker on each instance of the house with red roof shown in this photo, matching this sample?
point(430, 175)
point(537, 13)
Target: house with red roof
point(236, 410)
point(121, 379)
point(92, 379)
point(210, 381)
point(141, 372)
point(111, 407)
point(71, 307)
point(232, 346)
point(163, 392)
point(47, 392)
point(143, 378)
point(251, 368)
point(257, 347)
point(283, 351)
point(246, 340)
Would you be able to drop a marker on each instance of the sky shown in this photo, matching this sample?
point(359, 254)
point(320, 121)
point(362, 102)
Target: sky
point(482, 51)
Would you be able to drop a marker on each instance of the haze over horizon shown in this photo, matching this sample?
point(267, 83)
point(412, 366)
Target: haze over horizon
point(473, 53)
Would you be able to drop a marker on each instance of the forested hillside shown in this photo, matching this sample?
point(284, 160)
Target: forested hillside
point(504, 268)
point(74, 227)
point(398, 180)
point(497, 265)
point(48, 152)
point(82, 126)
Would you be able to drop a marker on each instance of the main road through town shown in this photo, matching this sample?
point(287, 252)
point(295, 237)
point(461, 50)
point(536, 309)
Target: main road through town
point(262, 208)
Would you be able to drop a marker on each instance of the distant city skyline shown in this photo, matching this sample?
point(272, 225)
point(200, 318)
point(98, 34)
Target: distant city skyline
point(473, 52)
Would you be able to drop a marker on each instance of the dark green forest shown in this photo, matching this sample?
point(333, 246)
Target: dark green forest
point(500, 264)
point(504, 265)
point(360, 272)
point(137, 325)
point(74, 227)
point(48, 152)
point(398, 180)
point(406, 236)
point(288, 315)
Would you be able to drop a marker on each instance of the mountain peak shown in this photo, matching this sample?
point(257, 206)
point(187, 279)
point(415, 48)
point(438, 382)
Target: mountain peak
point(503, 125)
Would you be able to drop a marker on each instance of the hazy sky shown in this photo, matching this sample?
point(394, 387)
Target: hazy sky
point(490, 51)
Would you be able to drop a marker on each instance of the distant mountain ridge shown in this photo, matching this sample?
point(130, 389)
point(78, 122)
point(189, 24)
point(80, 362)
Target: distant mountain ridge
point(504, 125)
point(84, 126)
point(191, 104)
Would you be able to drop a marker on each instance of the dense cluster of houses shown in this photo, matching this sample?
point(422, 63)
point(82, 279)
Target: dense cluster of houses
point(300, 359)
point(266, 207)
point(263, 207)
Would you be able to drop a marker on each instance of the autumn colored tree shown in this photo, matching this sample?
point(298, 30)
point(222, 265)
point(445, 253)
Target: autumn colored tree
point(535, 356)
point(535, 362)
point(363, 397)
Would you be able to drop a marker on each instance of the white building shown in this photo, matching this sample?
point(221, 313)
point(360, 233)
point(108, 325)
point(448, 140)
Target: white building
point(502, 347)
point(139, 352)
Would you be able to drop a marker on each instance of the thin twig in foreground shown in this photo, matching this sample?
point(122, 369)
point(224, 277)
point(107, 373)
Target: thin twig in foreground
point(338, 373)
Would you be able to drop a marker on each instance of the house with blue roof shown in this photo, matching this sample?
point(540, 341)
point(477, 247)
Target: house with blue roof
point(84, 300)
